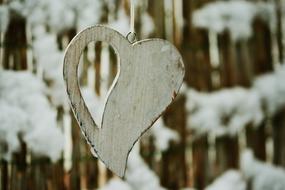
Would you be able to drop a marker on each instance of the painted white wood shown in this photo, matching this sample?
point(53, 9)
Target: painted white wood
point(149, 77)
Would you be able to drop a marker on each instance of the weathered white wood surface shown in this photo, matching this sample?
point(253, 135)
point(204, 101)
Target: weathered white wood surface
point(150, 75)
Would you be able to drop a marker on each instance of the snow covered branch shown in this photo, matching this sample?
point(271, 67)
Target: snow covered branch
point(263, 176)
point(27, 114)
point(235, 16)
point(231, 179)
point(163, 135)
point(139, 175)
point(4, 18)
point(227, 112)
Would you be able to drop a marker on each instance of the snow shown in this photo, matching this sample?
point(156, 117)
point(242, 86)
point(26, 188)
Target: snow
point(264, 176)
point(27, 112)
point(94, 103)
point(139, 175)
point(89, 13)
point(271, 90)
point(23, 8)
point(50, 60)
point(230, 180)
point(234, 16)
point(225, 112)
point(59, 15)
point(13, 122)
point(116, 184)
point(4, 18)
point(163, 135)
point(228, 111)
point(122, 24)
point(267, 12)
point(48, 56)
point(147, 25)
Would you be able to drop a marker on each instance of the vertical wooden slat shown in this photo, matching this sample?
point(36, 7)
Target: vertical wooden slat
point(156, 10)
point(97, 65)
point(279, 28)
point(278, 138)
point(92, 172)
point(57, 175)
point(227, 147)
point(174, 160)
point(227, 153)
point(58, 167)
point(86, 63)
point(246, 64)
point(75, 171)
point(278, 120)
point(15, 45)
point(260, 46)
point(178, 22)
point(113, 66)
point(229, 68)
point(4, 175)
point(4, 183)
point(147, 150)
point(19, 172)
point(39, 174)
point(280, 4)
point(256, 140)
point(239, 68)
point(200, 162)
point(195, 52)
point(37, 181)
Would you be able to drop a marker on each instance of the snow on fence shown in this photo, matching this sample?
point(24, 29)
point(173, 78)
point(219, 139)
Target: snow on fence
point(225, 130)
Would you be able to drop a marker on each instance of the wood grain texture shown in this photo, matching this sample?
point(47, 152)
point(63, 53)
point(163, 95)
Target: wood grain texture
point(149, 77)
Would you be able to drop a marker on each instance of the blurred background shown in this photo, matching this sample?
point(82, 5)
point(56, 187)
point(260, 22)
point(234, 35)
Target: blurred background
point(224, 131)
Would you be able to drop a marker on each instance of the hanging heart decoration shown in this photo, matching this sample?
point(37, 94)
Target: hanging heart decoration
point(149, 77)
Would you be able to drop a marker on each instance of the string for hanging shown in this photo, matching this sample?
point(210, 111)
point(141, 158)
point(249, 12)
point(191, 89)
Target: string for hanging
point(132, 35)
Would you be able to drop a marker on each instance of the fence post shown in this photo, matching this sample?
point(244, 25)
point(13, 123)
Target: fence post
point(262, 62)
point(4, 175)
point(278, 138)
point(174, 159)
point(19, 169)
point(156, 10)
point(76, 156)
point(15, 44)
point(227, 147)
point(200, 159)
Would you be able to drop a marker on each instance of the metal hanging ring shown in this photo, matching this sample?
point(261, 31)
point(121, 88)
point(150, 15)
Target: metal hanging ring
point(132, 37)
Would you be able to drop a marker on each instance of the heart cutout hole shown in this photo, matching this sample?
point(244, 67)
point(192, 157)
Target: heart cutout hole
point(97, 70)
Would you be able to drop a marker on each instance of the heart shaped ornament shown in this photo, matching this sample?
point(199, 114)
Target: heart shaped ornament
point(149, 77)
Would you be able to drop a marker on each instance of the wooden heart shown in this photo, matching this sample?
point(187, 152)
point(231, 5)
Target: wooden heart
point(149, 77)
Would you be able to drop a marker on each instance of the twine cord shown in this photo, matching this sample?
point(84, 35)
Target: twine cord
point(132, 35)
